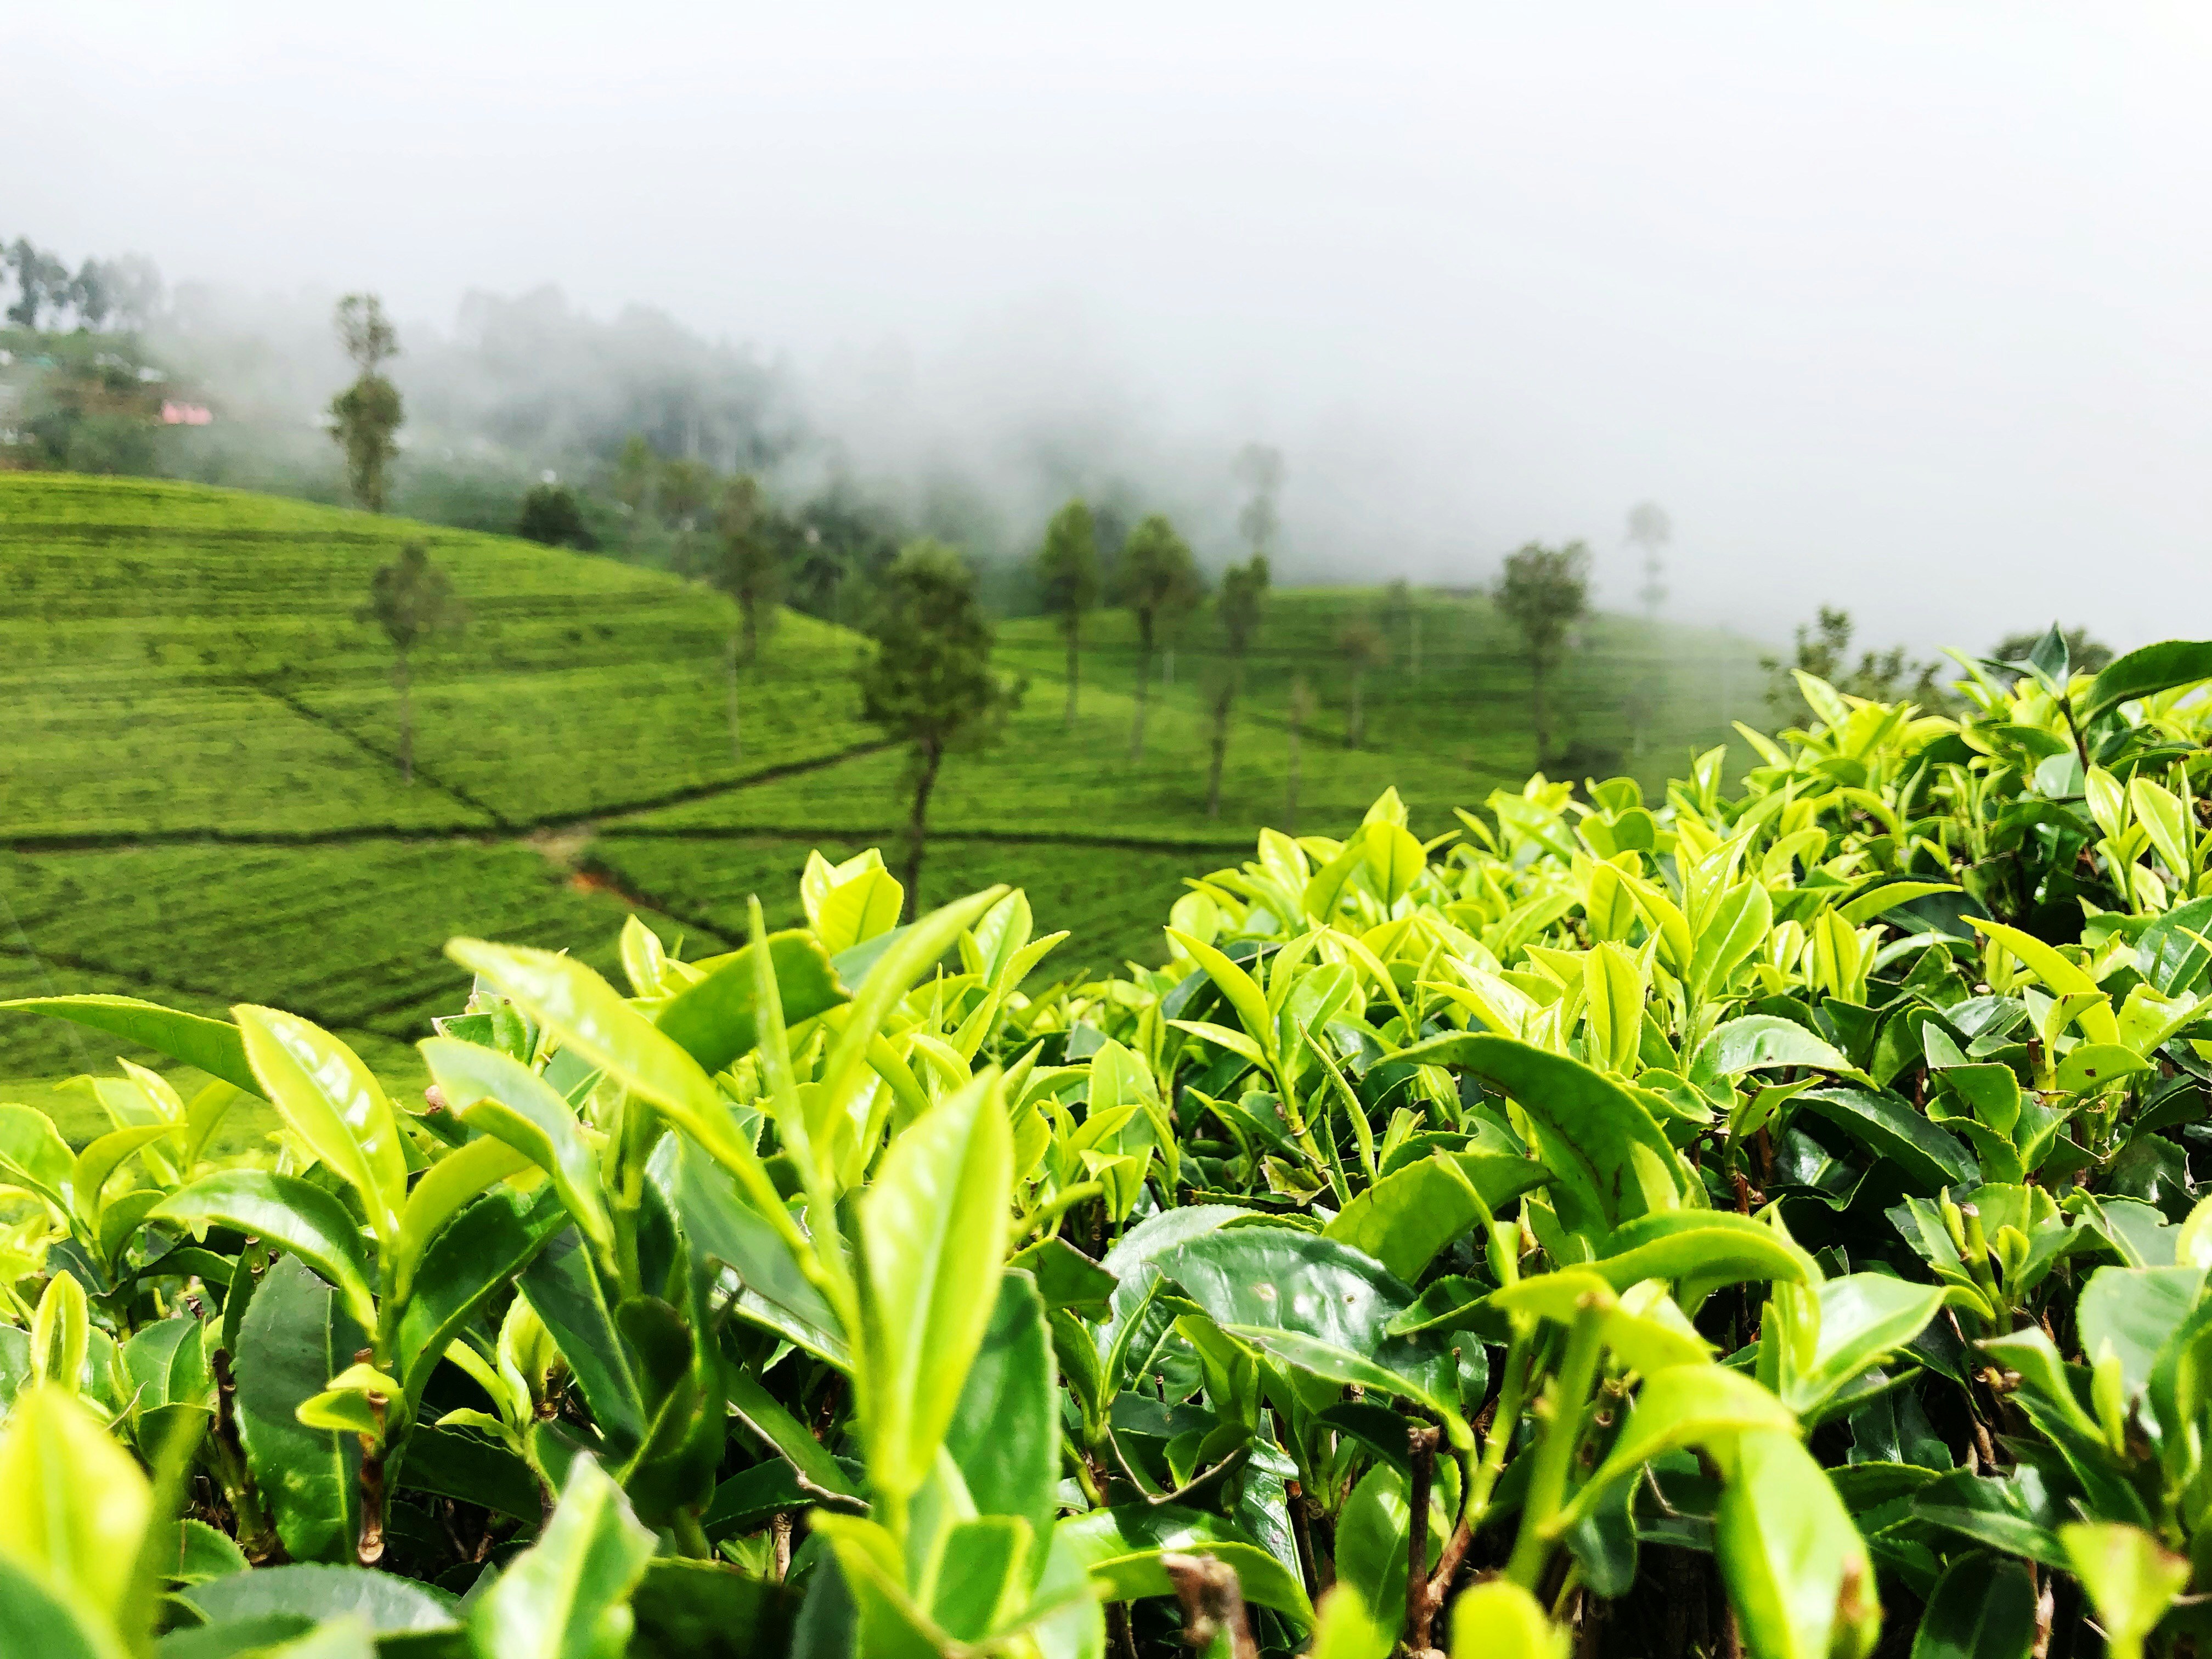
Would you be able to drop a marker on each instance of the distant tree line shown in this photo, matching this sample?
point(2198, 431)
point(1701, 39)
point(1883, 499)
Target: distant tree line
point(123, 292)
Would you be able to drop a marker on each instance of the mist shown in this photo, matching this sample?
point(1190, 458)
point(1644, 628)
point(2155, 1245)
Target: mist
point(1899, 307)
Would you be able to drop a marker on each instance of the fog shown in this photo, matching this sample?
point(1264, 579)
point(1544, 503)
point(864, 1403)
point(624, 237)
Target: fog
point(1902, 307)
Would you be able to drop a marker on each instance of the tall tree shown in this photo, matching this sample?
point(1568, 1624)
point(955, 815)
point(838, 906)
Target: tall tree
point(1157, 582)
point(1067, 572)
point(43, 279)
point(1243, 593)
point(928, 683)
point(410, 600)
point(366, 418)
point(748, 565)
point(1546, 590)
point(1302, 705)
point(1360, 642)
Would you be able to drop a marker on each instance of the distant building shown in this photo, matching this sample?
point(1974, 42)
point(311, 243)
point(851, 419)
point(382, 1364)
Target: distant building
point(186, 415)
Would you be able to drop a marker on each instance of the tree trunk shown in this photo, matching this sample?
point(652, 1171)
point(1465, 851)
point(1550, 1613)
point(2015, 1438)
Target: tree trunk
point(1417, 645)
point(737, 736)
point(1144, 684)
point(1356, 732)
point(1074, 665)
point(1222, 699)
point(931, 757)
point(406, 721)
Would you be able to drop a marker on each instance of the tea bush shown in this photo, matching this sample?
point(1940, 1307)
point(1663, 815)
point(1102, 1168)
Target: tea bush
point(1662, 1229)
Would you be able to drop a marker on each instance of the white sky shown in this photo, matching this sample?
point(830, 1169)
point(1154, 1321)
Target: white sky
point(1903, 306)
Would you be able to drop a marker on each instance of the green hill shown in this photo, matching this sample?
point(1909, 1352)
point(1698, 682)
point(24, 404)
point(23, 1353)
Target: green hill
point(199, 800)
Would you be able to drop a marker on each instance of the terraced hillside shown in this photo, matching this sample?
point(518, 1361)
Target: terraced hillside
point(199, 800)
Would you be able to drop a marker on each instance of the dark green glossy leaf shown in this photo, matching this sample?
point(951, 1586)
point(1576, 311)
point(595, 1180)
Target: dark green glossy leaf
point(1605, 1148)
point(703, 1610)
point(1068, 1279)
point(454, 1463)
point(2016, 1515)
point(1120, 1549)
point(2145, 673)
point(473, 1260)
point(295, 1337)
point(1888, 1126)
point(721, 1225)
point(714, 1020)
point(1981, 1609)
point(36, 1623)
point(563, 1290)
point(1005, 1433)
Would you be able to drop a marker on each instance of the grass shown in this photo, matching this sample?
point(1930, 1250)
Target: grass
point(199, 801)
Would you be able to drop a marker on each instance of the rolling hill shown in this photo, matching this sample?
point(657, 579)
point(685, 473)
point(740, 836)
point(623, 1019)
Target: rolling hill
point(199, 801)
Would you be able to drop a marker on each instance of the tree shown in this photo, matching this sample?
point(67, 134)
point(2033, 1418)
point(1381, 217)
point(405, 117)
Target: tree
point(1157, 583)
point(366, 416)
point(1823, 650)
point(928, 683)
point(1067, 572)
point(1244, 592)
point(1360, 644)
point(44, 280)
point(550, 515)
point(410, 600)
point(1545, 591)
point(636, 478)
point(747, 565)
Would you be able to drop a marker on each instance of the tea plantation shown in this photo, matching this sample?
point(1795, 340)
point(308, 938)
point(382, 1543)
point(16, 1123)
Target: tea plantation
point(199, 800)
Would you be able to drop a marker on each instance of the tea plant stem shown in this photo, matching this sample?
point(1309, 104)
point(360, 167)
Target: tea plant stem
point(1547, 1482)
point(1421, 1447)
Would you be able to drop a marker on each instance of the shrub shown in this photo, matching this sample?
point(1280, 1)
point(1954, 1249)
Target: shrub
point(1786, 1194)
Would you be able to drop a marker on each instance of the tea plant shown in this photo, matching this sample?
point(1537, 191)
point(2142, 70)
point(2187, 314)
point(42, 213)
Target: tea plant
point(1691, 1229)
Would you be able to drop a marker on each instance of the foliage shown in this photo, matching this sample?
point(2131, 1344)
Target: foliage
point(1824, 651)
point(551, 518)
point(365, 418)
point(2087, 654)
point(1360, 642)
point(1544, 591)
point(1237, 610)
point(409, 599)
point(1785, 1190)
point(1069, 583)
point(100, 291)
point(202, 742)
point(928, 685)
point(1157, 580)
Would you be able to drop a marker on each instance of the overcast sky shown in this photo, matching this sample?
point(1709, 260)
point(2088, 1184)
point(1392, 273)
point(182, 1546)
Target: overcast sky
point(1907, 308)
